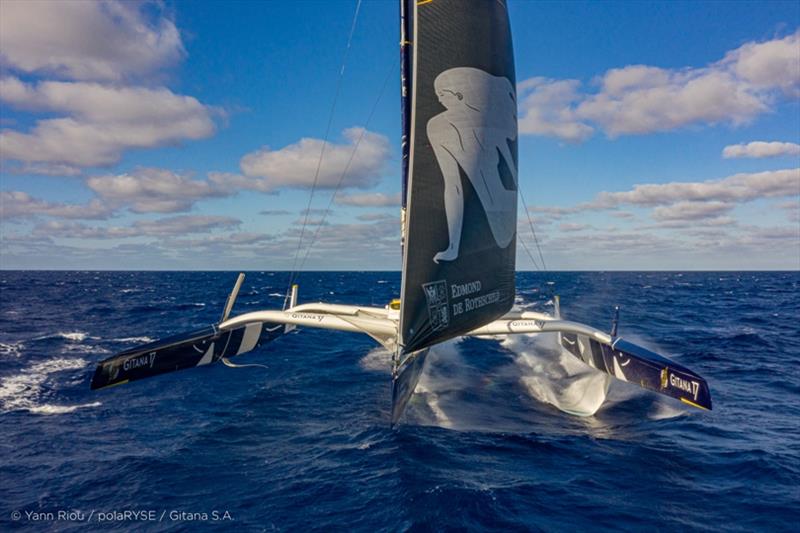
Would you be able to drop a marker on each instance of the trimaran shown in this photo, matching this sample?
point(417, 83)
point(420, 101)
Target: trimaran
point(459, 229)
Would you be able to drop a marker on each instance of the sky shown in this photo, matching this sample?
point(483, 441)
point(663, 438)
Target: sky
point(186, 135)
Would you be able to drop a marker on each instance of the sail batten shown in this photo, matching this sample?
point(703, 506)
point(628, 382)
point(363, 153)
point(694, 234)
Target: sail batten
point(460, 224)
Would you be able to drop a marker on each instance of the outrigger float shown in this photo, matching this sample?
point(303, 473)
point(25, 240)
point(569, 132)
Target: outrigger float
point(459, 229)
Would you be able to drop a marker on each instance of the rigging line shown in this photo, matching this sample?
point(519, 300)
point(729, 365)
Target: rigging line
point(293, 273)
point(349, 162)
point(525, 247)
point(530, 222)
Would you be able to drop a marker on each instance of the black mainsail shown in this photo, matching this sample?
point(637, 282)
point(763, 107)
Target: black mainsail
point(460, 228)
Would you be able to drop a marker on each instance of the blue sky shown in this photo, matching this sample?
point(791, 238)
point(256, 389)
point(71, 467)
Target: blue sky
point(185, 135)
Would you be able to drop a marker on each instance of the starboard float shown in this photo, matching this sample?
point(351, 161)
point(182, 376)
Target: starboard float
point(459, 228)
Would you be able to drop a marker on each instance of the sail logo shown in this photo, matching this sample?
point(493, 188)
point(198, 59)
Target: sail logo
point(436, 295)
point(692, 387)
point(476, 137)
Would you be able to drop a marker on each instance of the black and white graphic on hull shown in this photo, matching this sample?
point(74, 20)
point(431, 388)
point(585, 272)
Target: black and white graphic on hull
point(472, 137)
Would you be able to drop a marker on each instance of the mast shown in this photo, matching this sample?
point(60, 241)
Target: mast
point(406, 32)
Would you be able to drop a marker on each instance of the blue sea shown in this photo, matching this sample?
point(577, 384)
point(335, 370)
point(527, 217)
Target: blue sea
point(305, 444)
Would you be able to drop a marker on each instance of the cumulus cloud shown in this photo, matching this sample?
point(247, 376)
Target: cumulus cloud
point(318, 221)
point(236, 240)
point(295, 166)
point(17, 204)
point(571, 227)
point(687, 204)
point(547, 108)
point(792, 209)
point(101, 121)
point(640, 99)
point(692, 210)
point(759, 149)
point(774, 63)
point(375, 199)
point(106, 41)
point(153, 190)
point(737, 188)
point(378, 217)
point(163, 227)
point(44, 169)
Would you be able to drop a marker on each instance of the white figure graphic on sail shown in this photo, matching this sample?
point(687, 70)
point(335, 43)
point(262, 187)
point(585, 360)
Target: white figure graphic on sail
point(473, 134)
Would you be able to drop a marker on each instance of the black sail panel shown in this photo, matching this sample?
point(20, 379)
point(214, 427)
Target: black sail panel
point(458, 266)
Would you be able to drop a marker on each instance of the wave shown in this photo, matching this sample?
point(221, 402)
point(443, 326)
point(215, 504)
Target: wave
point(13, 349)
point(24, 391)
point(72, 336)
point(48, 409)
point(85, 348)
point(134, 340)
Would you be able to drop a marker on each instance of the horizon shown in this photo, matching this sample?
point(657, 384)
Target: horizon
point(543, 272)
point(184, 136)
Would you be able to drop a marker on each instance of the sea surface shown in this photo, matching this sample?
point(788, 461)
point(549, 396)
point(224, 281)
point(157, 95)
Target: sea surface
point(305, 444)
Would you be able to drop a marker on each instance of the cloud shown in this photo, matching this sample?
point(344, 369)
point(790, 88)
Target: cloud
point(375, 199)
point(622, 214)
point(311, 222)
point(102, 121)
point(760, 149)
point(295, 165)
point(686, 97)
point(221, 242)
point(774, 63)
point(379, 217)
point(641, 99)
point(547, 108)
point(163, 227)
point(570, 227)
point(550, 213)
point(44, 169)
point(17, 204)
point(274, 212)
point(316, 211)
point(692, 223)
point(107, 41)
point(692, 210)
point(152, 190)
point(737, 188)
point(792, 209)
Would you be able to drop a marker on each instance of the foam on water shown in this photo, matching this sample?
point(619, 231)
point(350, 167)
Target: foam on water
point(25, 391)
point(12, 349)
point(446, 374)
point(60, 409)
point(72, 336)
point(553, 376)
point(134, 340)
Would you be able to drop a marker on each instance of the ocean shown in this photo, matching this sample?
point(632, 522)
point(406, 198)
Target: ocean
point(304, 444)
